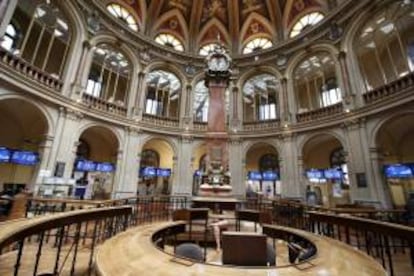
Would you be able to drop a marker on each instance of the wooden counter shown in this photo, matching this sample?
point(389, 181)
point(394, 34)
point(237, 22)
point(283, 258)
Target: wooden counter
point(133, 253)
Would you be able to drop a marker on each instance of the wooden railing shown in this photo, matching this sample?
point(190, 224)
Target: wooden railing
point(28, 70)
point(103, 105)
point(320, 113)
point(390, 89)
point(160, 121)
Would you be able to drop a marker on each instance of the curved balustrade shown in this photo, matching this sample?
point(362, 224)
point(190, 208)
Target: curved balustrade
point(320, 113)
point(101, 104)
point(160, 121)
point(261, 125)
point(17, 64)
point(200, 126)
point(389, 89)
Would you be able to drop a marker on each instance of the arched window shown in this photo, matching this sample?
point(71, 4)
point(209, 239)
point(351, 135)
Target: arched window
point(150, 158)
point(123, 14)
point(260, 95)
point(206, 49)
point(10, 38)
point(257, 44)
point(385, 45)
point(169, 41)
point(201, 102)
point(315, 82)
point(43, 35)
point(109, 75)
point(305, 22)
point(163, 94)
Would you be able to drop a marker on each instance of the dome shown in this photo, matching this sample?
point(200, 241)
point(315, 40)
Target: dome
point(242, 26)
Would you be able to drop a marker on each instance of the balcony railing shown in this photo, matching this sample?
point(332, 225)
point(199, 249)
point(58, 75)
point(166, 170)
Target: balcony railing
point(261, 125)
point(200, 126)
point(389, 89)
point(160, 121)
point(101, 104)
point(29, 71)
point(319, 113)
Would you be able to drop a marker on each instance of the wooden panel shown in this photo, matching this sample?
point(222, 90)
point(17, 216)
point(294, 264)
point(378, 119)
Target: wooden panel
point(244, 248)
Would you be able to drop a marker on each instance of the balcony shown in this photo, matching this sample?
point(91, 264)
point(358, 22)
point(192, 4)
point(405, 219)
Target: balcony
point(26, 69)
point(200, 126)
point(261, 125)
point(392, 88)
point(101, 104)
point(320, 113)
point(160, 121)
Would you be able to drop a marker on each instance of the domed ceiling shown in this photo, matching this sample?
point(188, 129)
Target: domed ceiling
point(196, 23)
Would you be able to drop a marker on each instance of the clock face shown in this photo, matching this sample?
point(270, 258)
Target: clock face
point(218, 63)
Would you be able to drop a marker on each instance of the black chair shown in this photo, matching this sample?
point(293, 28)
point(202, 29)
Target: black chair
point(190, 251)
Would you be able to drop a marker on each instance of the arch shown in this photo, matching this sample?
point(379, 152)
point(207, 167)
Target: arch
point(89, 125)
point(130, 10)
point(325, 47)
point(184, 37)
point(162, 65)
point(382, 122)
point(255, 16)
point(199, 77)
point(216, 23)
point(272, 70)
point(168, 140)
point(42, 108)
point(306, 138)
point(288, 25)
point(271, 142)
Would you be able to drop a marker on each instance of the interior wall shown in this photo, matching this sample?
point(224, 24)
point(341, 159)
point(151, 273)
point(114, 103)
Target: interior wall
point(164, 150)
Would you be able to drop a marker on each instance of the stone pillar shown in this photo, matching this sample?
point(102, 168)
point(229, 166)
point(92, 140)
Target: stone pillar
point(289, 168)
point(116, 185)
point(291, 101)
point(7, 8)
point(347, 94)
point(44, 154)
point(301, 177)
point(128, 183)
point(380, 185)
point(132, 93)
point(78, 86)
point(236, 167)
point(235, 118)
point(140, 98)
point(182, 182)
point(186, 120)
point(284, 113)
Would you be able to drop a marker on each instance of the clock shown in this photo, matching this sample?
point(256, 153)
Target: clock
point(218, 60)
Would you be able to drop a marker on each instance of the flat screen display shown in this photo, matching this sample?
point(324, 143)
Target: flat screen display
point(5, 155)
point(85, 166)
point(332, 174)
point(27, 158)
point(398, 171)
point(163, 172)
point(314, 174)
point(255, 176)
point(149, 171)
point(105, 167)
point(269, 175)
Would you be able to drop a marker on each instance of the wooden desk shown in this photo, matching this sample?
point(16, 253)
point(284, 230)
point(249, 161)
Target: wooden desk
point(133, 253)
point(222, 203)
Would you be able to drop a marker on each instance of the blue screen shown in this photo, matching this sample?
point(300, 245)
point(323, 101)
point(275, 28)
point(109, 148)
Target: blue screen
point(163, 172)
point(333, 174)
point(27, 158)
point(269, 175)
point(105, 167)
point(398, 171)
point(80, 192)
point(5, 155)
point(255, 176)
point(197, 173)
point(149, 171)
point(314, 174)
point(85, 166)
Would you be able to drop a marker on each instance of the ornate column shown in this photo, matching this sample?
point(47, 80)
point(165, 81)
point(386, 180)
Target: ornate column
point(381, 187)
point(235, 121)
point(347, 93)
point(116, 184)
point(283, 102)
point(44, 155)
point(7, 8)
point(182, 182)
point(187, 118)
point(236, 166)
point(82, 72)
point(140, 98)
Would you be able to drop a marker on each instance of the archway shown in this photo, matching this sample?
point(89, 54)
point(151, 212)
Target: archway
point(326, 170)
point(95, 164)
point(395, 141)
point(24, 129)
point(263, 173)
point(156, 168)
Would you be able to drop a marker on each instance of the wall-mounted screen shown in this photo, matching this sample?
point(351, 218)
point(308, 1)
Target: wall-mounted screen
point(270, 175)
point(27, 158)
point(398, 171)
point(163, 172)
point(5, 155)
point(105, 167)
point(314, 174)
point(255, 175)
point(333, 174)
point(149, 172)
point(85, 166)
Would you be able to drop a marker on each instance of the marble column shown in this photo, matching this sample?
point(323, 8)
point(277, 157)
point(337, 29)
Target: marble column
point(140, 98)
point(236, 167)
point(381, 187)
point(182, 182)
point(186, 119)
point(347, 90)
point(116, 184)
point(289, 168)
point(44, 155)
point(77, 86)
point(284, 113)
